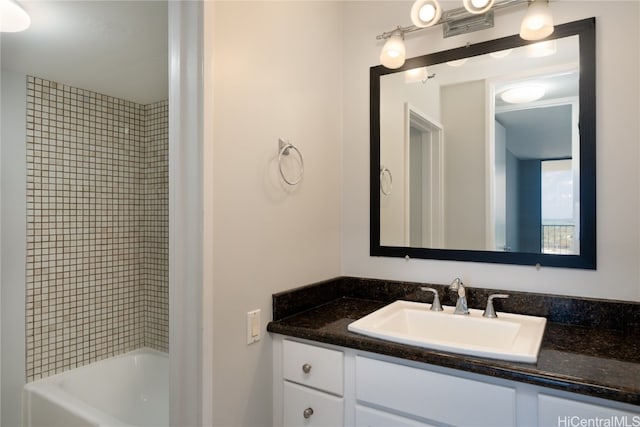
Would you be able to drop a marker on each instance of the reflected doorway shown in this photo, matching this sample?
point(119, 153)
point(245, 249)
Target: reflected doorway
point(536, 188)
point(424, 180)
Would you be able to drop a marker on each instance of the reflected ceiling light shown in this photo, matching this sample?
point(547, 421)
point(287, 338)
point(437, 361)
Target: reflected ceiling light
point(13, 17)
point(540, 49)
point(477, 6)
point(425, 13)
point(501, 53)
point(457, 62)
point(393, 51)
point(416, 75)
point(538, 22)
point(523, 94)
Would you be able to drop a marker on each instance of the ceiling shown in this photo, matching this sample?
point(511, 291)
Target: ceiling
point(528, 139)
point(116, 48)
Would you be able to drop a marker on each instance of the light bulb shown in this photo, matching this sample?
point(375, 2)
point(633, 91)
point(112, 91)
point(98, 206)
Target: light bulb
point(393, 51)
point(425, 13)
point(477, 7)
point(13, 17)
point(538, 21)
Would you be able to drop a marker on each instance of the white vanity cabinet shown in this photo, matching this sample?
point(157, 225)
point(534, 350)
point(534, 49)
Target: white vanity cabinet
point(312, 385)
point(356, 388)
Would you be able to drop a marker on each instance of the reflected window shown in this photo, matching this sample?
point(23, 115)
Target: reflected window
point(557, 207)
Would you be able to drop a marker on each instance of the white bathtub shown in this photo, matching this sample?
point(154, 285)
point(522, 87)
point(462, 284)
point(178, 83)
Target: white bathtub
point(127, 390)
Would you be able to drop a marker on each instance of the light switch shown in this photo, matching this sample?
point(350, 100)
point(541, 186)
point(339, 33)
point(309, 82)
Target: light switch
point(253, 326)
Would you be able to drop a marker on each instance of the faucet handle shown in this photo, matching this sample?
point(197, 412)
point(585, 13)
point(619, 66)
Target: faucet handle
point(490, 311)
point(435, 306)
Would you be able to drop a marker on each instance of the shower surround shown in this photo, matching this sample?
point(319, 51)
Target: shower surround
point(97, 227)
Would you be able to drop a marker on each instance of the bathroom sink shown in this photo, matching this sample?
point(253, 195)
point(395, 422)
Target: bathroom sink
point(512, 337)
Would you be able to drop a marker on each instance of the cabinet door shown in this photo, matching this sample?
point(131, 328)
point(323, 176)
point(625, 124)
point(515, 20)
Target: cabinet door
point(304, 406)
point(558, 411)
point(434, 396)
point(313, 366)
point(368, 417)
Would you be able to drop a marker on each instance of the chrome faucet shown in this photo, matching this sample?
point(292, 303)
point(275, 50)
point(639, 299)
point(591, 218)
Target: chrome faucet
point(490, 311)
point(461, 304)
point(435, 306)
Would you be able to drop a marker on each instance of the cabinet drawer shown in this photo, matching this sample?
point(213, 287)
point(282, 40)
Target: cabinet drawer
point(368, 417)
point(313, 366)
point(558, 411)
point(434, 396)
point(307, 407)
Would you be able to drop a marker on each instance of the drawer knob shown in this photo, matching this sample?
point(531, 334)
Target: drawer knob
point(306, 368)
point(307, 413)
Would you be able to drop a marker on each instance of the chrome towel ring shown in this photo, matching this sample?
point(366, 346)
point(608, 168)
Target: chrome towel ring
point(285, 148)
point(384, 171)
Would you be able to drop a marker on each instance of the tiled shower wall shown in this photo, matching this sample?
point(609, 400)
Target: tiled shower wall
point(156, 226)
point(97, 227)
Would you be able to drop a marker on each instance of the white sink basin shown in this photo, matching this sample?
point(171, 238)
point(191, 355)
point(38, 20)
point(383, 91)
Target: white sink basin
point(512, 337)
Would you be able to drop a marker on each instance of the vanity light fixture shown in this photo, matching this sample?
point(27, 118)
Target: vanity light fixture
point(538, 22)
point(475, 15)
point(523, 94)
point(13, 18)
point(393, 51)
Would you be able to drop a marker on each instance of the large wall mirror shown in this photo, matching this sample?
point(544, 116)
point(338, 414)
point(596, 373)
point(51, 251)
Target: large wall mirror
point(487, 152)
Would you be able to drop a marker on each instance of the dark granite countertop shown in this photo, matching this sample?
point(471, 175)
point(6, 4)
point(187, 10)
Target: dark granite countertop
point(581, 353)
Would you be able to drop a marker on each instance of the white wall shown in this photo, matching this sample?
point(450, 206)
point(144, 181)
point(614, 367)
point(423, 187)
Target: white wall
point(618, 48)
point(394, 93)
point(276, 74)
point(392, 157)
point(13, 231)
point(464, 165)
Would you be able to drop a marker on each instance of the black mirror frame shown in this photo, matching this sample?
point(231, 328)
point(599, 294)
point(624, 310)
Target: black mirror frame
point(585, 29)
